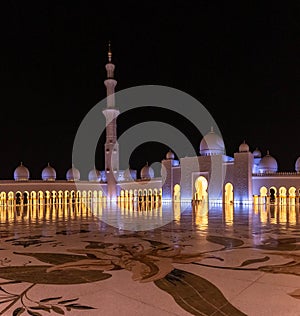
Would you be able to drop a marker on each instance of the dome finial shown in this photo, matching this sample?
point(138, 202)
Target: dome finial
point(268, 152)
point(211, 129)
point(109, 52)
point(244, 147)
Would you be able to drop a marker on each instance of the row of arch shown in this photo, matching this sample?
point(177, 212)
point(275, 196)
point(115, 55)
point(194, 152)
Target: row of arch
point(46, 197)
point(271, 195)
point(281, 196)
point(140, 195)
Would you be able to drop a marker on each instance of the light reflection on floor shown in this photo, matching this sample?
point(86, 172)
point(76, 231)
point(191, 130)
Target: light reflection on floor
point(95, 254)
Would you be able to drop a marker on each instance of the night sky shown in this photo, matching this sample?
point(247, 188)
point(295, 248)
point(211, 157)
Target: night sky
point(240, 59)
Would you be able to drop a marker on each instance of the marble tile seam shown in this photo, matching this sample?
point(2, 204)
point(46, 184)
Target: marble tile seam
point(247, 287)
point(142, 302)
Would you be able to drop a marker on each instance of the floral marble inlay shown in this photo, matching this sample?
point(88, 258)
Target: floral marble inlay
point(179, 259)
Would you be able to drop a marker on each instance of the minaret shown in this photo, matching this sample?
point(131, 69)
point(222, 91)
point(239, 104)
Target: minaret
point(111, 145)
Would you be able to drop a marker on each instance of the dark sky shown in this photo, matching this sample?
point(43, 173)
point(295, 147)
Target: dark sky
point(240, 59)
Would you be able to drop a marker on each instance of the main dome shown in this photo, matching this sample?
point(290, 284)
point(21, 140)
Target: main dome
point(48, 173)
point(21, 173)
point(212, 144)
point(268, 164)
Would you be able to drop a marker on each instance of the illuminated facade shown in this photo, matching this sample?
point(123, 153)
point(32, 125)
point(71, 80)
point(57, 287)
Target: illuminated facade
point(213, 177)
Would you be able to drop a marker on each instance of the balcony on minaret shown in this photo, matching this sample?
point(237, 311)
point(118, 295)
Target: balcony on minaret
point(110, 91)
point(110, 82)
point(110, 70)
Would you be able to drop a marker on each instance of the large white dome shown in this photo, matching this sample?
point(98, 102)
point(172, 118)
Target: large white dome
point(21, 173)
point(147, 172)
point(268, 164)
point(73, 174)
point(212, 144)
point(48, 173)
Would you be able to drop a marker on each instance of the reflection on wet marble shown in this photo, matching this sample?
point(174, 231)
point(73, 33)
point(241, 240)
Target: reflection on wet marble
point(190, 260)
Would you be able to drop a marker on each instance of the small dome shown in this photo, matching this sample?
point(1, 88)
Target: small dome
point(73, 174)
point(244, 148)
point(256, 153)
point(21, 173)
point(170, 155)
point(129, 174)
point(48, 173)
point(268, 164)
point(147, 172)
point(212, 144)
point(94, 175)
point(103, 175)
point(297, 165)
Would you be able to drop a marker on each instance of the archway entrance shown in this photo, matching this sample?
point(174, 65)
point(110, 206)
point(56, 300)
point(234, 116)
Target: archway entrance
point(282, 196)
point(292, 195)
point(263, 195)
point(273, 194)
point(228, 193)
point(201, 185)
point(176, 197)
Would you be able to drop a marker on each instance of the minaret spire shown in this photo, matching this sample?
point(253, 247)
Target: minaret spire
point(109, 52)
point(110, 82)
point(111, 145)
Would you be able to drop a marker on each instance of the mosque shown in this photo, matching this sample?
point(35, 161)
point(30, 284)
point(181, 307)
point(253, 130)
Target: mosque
point(212, 176)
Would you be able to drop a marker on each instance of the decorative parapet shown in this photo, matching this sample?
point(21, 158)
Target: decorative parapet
point(276, 174)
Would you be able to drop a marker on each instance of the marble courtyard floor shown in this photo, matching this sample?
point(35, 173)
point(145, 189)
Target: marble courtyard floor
point(232, 260)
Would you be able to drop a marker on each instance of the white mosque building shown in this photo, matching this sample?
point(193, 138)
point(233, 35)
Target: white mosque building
point(212, 176)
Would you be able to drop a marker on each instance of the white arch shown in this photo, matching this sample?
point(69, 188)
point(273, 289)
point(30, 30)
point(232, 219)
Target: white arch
point(201, 185)
point(228, 193)
point(176, 193)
